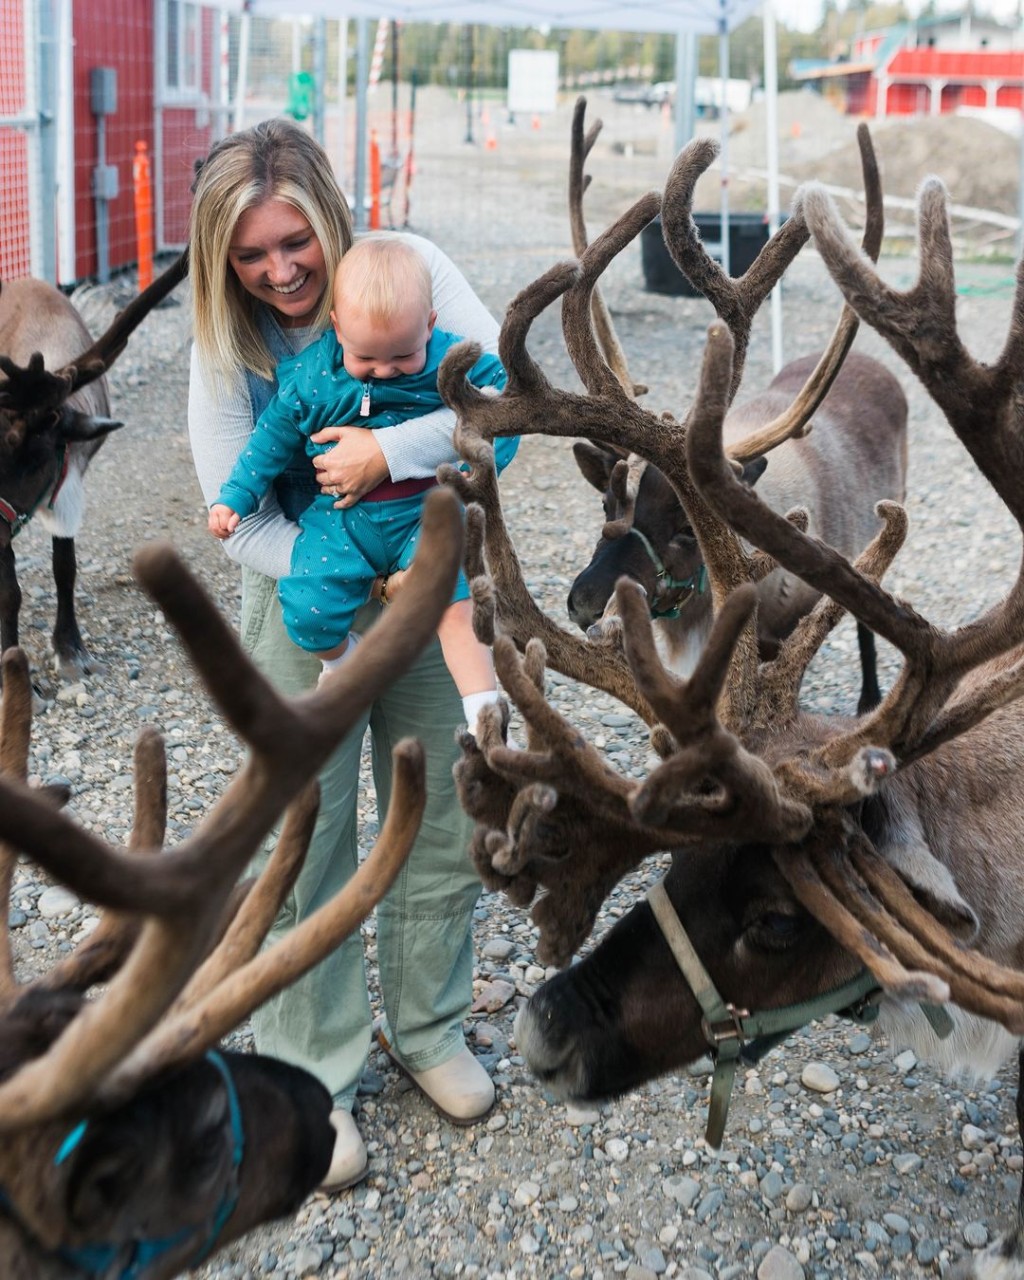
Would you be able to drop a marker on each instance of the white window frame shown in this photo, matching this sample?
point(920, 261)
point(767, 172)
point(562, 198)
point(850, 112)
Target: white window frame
point(183, 91)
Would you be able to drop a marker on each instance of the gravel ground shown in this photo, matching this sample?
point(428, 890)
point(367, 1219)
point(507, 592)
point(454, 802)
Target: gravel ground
point(843, 1156)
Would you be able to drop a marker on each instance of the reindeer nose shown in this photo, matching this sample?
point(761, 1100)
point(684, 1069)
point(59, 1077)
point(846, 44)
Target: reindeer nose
point(578, 610)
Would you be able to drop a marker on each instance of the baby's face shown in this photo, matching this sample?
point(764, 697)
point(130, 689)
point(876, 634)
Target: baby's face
point(375, 350)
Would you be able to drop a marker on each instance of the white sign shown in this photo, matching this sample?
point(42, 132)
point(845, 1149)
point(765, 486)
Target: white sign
point(532, 80)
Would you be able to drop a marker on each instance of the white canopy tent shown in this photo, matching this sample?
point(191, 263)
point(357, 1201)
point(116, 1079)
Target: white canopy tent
point(686, 19)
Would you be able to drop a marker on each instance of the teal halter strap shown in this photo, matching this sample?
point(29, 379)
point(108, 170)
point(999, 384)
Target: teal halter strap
point(134, 1258)
point(736, 1035)
point(697, 582)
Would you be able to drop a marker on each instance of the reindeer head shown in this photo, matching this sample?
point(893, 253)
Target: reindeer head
point(647, 537)
point(37, 419)
point(801, 858)
point(118, 1124)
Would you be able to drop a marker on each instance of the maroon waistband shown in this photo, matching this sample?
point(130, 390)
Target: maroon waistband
point(398, 489)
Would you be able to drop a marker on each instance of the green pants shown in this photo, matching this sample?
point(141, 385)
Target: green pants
point(424, 944)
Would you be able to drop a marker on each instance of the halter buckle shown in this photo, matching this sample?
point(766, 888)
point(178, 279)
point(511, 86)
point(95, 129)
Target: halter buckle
point(719, 1033)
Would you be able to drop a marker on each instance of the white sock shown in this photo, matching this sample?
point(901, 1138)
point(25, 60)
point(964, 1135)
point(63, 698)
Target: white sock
point(332, 664)
point(474, 703)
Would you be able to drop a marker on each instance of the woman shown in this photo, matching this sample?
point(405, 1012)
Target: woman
point(268, 227)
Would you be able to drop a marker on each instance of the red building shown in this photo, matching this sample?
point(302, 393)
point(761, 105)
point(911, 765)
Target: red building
point(81, 84)
point(927, 67)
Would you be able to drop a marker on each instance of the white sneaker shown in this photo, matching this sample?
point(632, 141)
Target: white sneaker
point(459, 1089)
point(349, 1163)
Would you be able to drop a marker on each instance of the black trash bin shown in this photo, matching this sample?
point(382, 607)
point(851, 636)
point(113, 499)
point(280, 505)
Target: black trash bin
point(748, 233)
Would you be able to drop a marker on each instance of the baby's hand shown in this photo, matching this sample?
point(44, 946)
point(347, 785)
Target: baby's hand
point(223, 521)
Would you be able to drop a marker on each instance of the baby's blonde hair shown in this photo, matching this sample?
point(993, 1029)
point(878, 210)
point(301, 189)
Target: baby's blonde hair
point(383, 277)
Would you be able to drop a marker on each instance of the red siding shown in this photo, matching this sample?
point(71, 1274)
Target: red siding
point(964, 75)
point(184, 143)
point(908, 100)
point(119, 34)
point(187, 137)
point(975, 64)
point(1009, 95)
point(14, 211)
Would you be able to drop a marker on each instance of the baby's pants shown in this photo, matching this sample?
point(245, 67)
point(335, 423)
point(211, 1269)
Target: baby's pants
point(336, 557)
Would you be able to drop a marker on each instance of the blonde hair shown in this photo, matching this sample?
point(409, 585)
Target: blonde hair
point(382, 276)
point(275, 160)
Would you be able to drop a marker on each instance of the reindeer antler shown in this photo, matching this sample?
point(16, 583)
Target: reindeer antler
point(986, 415)
point(183, 892)
point(34, 390)
point(581, 146)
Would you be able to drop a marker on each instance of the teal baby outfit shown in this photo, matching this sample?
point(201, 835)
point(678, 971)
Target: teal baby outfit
point(338, 553)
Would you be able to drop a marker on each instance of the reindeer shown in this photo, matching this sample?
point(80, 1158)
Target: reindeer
point(869, 865)
point(835, 454)
point(130, 1149)
point(54, 415)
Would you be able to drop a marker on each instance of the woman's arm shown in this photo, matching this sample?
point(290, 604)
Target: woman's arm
point(414, 449)
point(219, 427)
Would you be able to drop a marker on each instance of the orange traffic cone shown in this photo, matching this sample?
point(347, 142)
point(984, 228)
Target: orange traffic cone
point(490, 142)
point(535, 122)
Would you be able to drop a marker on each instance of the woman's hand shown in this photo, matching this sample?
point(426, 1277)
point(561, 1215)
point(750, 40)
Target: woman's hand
point(353, 467)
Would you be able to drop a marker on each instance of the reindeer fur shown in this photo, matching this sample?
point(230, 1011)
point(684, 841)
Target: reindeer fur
point(853, 455)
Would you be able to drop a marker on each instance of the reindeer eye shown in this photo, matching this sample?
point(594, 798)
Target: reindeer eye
point(207, 1153)
point(775, 930)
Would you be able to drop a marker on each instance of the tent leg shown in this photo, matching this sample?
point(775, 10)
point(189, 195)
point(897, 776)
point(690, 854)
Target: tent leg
point(362, 79)
point(723, 72)
point(771, 120)
point(686, 87)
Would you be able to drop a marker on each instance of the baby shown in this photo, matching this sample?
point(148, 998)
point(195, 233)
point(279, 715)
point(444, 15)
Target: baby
point(378, 366)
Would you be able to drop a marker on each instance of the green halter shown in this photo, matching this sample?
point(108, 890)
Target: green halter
point(695, 583)
point(735, 1035)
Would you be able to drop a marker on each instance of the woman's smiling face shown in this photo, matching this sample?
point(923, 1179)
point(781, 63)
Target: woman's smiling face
point(278, 259)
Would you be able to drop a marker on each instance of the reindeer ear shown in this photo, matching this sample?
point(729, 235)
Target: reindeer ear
point(754, 470)
point(78, 426)
point(104, 1175)
point(595, 463)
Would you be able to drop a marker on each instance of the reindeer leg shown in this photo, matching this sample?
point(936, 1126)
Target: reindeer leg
point(10, 597)
point(1003, 1259)
point(73, 658)
point(870, 693)
point(1011, 1248)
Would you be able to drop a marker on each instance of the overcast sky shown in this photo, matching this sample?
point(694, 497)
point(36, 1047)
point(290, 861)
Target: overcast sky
point(805, 15)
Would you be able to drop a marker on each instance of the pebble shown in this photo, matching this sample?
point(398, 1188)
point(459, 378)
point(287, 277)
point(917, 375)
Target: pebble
point(684, 1191)
point(57, 901)
point(799, 1198)
point(780, 1264)
point(820, 1077)
point(972, 1138)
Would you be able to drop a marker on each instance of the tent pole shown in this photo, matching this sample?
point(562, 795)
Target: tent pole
point(362, 77)
point(771, 123)
point(723, 72)
point(686, 87)
point(319, 76)
point(341, 143)
point(242, 76)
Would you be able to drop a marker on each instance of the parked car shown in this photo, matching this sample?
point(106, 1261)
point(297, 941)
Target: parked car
point(649, 95)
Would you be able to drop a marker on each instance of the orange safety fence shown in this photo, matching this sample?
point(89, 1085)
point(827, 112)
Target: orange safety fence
point(375, 179)
point(143, 187)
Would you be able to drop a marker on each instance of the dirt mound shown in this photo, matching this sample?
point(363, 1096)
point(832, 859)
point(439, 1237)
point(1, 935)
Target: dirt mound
point(978, 162)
